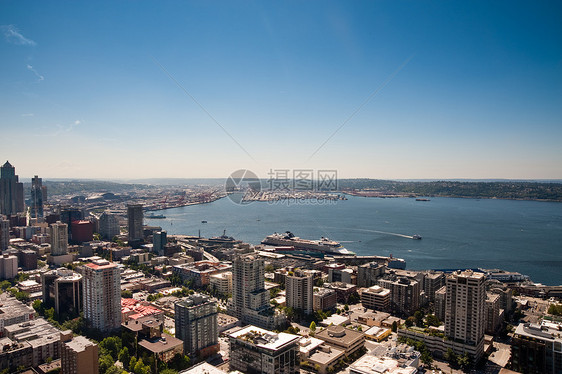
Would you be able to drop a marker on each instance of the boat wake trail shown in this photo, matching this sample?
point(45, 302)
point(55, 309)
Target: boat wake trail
point(384, 232)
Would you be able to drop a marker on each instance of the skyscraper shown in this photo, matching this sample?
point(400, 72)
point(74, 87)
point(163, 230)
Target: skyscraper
point(4, 234)
point(11, 191)
point(298, 287)
point(135, 218)
point(250, 299)
point(465, 301)
point(159, 240)
point(102, 295)
point(59, 239)
point(109, 225)
point(197, 325)
point(36, 197)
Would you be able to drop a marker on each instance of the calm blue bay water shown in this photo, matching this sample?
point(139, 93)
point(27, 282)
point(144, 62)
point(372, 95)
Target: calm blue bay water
point(523, 236)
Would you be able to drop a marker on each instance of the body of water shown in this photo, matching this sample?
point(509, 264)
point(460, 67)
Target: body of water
point(523, 236)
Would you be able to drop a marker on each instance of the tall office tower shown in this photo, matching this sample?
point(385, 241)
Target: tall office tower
point(44, 194)
point(102, 295)
point(250, 299)
point(197, 325)
point(36, 197)
point(298, 287)
point(159, 241)
point(11, 191)
point(135, 216)
point(4, 234)
point(78, 355)
point(59, 239)
point(465, 312)
point(109, 225)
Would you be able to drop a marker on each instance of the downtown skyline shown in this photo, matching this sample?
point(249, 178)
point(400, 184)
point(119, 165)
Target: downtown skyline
point(383, 90)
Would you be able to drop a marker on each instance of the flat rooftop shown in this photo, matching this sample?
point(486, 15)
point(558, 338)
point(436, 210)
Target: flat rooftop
point(163, 344)
point(79, 343)
point(378, 365)
point(264, 338)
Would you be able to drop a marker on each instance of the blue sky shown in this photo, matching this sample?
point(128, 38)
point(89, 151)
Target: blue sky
point(475, 88)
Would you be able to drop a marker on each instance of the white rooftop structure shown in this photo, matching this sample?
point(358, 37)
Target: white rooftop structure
point(264, 338)
point(335, 319)
point(379, 365)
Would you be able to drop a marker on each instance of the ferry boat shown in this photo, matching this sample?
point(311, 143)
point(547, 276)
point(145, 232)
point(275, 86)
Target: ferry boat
point(155, 216)
point(323, 245)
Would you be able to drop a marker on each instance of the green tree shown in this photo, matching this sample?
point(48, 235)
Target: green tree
point(312, 326)
point(410, 321)
point(126, 294)
point(432, 320)
point(426, 358)
point(450, 356)
point(418, 316)
point(394, 326)
point(555, 309)
point(111, 345)
point(179, 362)
point(464, 362)
point(4, 285)
point(105, 362)
point(125, 357)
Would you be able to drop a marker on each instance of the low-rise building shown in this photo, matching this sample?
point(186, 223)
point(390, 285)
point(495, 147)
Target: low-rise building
point(256, 350)
point(318, 356)
point(343, 290)
point(13, 311)
point(350, 341)
point(376, 298)
point(200, 272)
point(324, 299)
point(377, 333)
point(222, 282)
point(165, 347)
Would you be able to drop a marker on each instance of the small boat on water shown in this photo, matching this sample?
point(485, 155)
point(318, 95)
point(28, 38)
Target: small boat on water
point(416, 237)
point(155, 216)
point(422, 199)
point(203, 221)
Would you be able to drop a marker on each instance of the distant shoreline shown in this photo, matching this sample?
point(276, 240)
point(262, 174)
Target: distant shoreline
point(398, 196)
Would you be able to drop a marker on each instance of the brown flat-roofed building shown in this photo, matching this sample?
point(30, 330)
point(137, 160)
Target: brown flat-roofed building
point(342, 338)
point(78, 355)
point(164, 347)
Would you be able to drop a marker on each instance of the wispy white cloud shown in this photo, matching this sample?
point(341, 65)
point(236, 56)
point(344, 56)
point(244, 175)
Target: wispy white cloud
point(28, 115)
point(39, 76)
point(12, 35)
point(61, 129)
